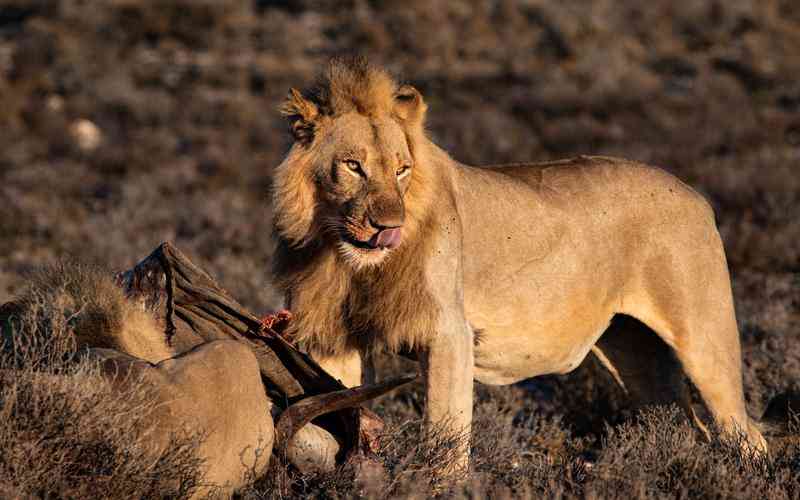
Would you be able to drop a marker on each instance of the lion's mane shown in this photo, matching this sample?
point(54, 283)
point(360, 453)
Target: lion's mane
point(335, 306)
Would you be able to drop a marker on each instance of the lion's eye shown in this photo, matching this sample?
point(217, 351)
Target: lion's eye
point(354, 167)
point(403, 170)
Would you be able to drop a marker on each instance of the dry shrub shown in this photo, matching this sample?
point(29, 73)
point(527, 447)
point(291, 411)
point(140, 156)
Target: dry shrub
point(66, 432)
point(512, 452)
point(659, 455)
point(517, 453)
point(409, 465)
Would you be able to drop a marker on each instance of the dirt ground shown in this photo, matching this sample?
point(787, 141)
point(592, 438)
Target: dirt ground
point(129, 122)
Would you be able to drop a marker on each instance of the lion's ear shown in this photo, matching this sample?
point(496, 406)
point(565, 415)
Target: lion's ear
point(409, 105)
point(302, 115)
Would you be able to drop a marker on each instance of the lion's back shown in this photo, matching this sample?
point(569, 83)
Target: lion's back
point(611, 185)
point(583, 213)
point(599, 174)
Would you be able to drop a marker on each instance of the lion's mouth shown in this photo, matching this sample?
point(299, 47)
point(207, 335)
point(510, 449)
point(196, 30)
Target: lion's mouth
point(385, 239)
point(361, 245)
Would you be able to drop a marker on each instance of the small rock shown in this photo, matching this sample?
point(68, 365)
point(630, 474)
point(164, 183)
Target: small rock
point(85, 134)
point(55, 103)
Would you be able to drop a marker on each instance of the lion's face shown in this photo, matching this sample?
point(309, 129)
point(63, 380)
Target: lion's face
point(351, 176)
point(362, 171)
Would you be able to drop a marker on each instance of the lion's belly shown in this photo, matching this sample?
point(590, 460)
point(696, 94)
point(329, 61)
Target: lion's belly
point(505, 355)
point(538, 324)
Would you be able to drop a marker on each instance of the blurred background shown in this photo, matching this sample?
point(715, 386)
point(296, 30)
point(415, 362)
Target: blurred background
point(124, 123)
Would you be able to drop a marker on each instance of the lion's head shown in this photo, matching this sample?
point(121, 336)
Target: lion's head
point(353, 177)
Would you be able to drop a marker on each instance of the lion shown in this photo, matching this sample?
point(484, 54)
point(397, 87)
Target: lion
point(212, 390)
point(211, 387)
point(95, 310)
point(496, 273)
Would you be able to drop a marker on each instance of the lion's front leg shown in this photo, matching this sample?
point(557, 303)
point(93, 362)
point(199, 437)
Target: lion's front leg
point(447, 366)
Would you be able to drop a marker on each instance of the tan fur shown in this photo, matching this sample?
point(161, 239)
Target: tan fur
point(530, 262)
point(213, 390)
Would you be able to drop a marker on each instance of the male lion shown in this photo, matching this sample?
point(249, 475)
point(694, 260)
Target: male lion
point(495, 274)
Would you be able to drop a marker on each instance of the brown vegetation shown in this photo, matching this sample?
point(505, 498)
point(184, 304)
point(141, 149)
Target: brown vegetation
point(183, 97)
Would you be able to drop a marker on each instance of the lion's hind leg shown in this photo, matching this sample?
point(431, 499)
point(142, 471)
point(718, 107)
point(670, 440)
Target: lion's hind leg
point(688, 302)
point(712, 361)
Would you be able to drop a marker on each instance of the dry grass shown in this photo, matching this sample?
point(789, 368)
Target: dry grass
point(184, 95)
point(518, 454)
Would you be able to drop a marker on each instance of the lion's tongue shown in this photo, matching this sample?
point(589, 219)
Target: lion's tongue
point(387, 238)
